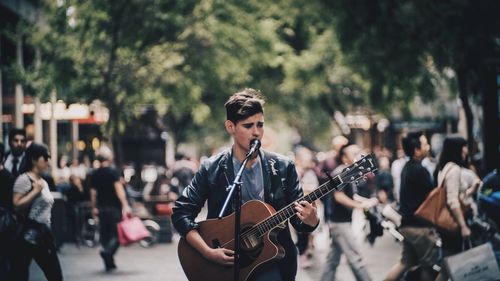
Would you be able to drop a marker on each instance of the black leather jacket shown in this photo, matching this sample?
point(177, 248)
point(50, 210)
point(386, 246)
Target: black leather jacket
point(281, 187)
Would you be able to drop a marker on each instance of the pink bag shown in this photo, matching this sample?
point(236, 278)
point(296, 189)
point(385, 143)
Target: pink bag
point(131, 230)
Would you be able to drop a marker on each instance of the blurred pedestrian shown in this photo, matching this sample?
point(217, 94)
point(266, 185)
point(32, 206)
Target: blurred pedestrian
point(80, 168)
point(430, 163)
point(340, 227)
point(396, 168)
point(33, 198)
point(75, 194)
point(183, 169)
point(6, 209)
point(109, 202)
point(419, 245)
point(62, 173)
point(384, 181)
point(6, 183)
point(327, 163)
point(304, 163)
point(161, 187)
point(457, 181)
point(162, 194)
point(491, 182)
point(490, 188)
point(14, 159)
point(134, 188)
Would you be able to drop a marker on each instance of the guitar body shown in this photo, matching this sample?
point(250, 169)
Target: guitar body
point(220, 233)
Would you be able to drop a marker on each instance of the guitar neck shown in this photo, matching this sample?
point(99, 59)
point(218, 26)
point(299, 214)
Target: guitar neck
point(289, 211)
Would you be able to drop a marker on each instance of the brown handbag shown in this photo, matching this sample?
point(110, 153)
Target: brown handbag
point(435, 210)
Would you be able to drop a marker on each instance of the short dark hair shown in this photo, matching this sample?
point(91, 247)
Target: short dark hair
point(33, 152)
point(342, 151)
point(244, 104)
point(14, 132)
point(411, 142)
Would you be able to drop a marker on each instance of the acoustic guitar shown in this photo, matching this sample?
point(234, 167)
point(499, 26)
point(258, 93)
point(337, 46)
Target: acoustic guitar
point(260, 224)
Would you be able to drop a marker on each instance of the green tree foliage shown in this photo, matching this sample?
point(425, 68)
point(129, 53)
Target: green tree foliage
point(107, 49)
point(184, 58)
point(394, 44)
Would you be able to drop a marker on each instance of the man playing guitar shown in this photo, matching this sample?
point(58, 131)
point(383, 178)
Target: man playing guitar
point(267, 177)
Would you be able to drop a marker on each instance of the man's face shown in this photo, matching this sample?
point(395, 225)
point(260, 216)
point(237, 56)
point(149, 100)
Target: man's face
point(246, 130)
point(424, 148)
point(18, 144)
point(42, 163)
point(350, 154)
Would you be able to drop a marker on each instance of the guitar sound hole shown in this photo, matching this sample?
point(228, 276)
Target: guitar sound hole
point(251, 247)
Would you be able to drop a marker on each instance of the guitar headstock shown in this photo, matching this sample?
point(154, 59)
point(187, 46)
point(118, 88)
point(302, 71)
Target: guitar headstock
point(359, 169)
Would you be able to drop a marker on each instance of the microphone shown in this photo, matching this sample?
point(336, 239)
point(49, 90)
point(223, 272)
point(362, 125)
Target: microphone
point(254, 146)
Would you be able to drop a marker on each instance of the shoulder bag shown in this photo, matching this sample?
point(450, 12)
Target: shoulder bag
point(131, 230)
point(435, 210)
point(476, 263)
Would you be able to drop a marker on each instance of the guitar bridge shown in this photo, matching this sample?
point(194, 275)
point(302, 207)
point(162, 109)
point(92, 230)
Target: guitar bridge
point(250, 242)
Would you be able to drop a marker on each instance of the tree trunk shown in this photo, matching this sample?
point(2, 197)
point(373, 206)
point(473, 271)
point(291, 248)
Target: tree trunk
point(118, 141)
point(464, 97)
point(19, 92)
point(113, 134)
point(1, 91)
point(491, 108)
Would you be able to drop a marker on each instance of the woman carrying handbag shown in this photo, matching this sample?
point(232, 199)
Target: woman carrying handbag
point(32, 197)
point(459, 186)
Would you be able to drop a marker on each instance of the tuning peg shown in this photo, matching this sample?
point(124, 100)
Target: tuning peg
point(368, 169)
point(356, 182)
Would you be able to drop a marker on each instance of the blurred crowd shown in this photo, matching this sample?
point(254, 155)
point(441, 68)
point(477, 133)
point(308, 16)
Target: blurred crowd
point(72, 178)
point(385, 200)
point(389, 198)
point(81, 201)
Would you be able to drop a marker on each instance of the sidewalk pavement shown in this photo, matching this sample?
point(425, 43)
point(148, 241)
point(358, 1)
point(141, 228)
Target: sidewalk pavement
point(160, 263)
point(134, 264)
point(378, 258)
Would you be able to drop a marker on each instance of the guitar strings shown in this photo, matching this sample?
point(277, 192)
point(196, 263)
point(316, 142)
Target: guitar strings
point(255, 229)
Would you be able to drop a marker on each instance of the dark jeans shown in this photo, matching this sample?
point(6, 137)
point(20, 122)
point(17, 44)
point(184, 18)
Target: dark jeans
point(45, 256)
point(108, 220)
point(4, 266)
point(302, 242)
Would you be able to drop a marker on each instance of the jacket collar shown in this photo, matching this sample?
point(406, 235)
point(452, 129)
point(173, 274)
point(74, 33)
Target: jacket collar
point(227, 163)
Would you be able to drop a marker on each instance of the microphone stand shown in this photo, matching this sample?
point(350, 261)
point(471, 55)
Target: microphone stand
point(235, 188)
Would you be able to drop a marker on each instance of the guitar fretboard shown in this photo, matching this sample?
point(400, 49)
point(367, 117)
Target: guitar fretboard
point(289, 211)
